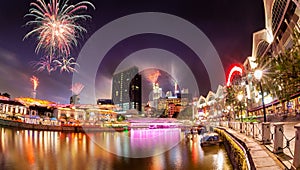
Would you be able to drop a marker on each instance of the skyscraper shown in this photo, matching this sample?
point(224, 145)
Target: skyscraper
point(126, 89)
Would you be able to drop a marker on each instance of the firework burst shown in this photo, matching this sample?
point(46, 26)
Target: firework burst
point(45, 64)
point(153, 76)
point(57, 27)
point(66, 64)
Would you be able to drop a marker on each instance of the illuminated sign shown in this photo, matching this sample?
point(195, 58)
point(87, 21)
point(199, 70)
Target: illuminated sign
point(235, 69)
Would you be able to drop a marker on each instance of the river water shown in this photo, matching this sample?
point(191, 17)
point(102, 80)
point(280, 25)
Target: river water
point(136, 149)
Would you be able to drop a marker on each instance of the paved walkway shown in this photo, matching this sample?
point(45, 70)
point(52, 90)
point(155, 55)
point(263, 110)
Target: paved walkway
point(262, 158)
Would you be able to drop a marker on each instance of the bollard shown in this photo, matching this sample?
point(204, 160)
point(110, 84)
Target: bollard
point(266, 132)
point(278, 138)
point(296, 161)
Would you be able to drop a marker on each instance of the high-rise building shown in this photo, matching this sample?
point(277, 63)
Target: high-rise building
point(127, 90)
point(104, 101)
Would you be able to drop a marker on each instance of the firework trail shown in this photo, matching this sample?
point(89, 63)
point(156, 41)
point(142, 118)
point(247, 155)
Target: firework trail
point(57, 28)
point(35, 82)
point(77, 88)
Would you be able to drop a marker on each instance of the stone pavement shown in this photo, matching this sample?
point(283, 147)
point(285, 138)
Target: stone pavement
point(262, 158)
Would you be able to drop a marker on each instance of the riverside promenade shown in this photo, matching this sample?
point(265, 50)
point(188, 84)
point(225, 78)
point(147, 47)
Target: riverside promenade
point(274, 154)
point(262, 158)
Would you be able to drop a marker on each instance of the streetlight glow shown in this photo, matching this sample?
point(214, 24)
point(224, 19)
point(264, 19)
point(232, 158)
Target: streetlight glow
point(258, 74)
point(240, 97)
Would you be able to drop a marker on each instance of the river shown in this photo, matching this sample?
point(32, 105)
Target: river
point(136, 149)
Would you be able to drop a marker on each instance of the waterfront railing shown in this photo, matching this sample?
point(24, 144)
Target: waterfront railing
point(284, 144)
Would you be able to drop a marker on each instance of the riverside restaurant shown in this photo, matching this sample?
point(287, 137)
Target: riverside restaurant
point(43, 112)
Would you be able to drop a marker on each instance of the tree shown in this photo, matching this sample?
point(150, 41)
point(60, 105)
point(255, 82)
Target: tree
point(282, 71)
point(286, 66)
point(231, 98)
point(6, 95)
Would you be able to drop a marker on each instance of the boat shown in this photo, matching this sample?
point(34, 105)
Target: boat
point(210, 139)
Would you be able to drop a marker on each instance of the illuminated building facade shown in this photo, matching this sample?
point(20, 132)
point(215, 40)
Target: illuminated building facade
point(105, 101)
point(10, 107)
point(281, 18)
point(126, 89)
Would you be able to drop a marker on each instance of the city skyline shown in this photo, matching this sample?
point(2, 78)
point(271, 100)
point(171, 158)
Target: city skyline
point(229, 26)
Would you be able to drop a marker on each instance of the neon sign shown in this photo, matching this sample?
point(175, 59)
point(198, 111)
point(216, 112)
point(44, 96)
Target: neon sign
point(234, 70)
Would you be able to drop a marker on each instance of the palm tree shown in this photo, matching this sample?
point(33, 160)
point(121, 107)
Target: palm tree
point(282, 72)
point(287, 68)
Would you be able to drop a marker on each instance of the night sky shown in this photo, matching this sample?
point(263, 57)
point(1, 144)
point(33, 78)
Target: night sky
point(229, 24)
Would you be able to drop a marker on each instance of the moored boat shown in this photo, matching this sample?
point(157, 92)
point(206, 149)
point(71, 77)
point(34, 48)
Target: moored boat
point(210, 139)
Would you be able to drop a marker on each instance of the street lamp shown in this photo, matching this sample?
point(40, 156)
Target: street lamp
point(228, 110)
point(240, 97)
point(258, 75)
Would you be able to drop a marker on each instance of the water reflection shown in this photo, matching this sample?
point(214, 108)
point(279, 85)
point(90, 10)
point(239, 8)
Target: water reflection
point(138, 143)
point(26, 149)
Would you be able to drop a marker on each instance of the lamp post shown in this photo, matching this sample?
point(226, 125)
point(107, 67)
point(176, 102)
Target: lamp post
point(258, 75)
point(228, 111)
point(240, 97)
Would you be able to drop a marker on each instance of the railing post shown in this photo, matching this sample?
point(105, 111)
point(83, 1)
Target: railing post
point(266, 133)
point(296, 161)
point(241, 127)
point(248, 129)
point(251, 125)
point(255, 130)
point(278, 138)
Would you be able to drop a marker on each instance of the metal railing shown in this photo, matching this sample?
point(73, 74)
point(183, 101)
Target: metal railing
point(284, 143)
point(287, 143)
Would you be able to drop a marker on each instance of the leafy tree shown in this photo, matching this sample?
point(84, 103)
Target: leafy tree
point(120, 118)
point(231, 98)
point(6, 95)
